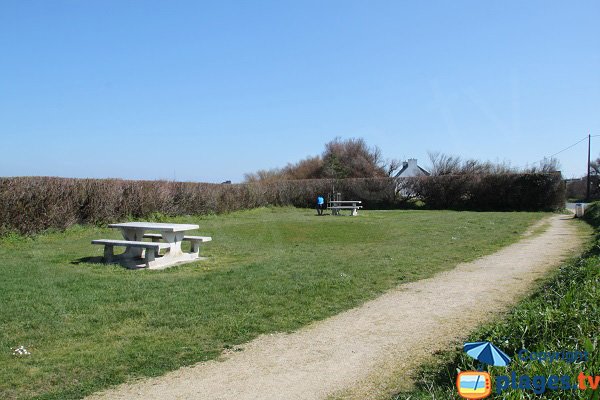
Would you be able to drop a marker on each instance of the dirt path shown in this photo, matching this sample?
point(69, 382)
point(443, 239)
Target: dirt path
point(362, 352)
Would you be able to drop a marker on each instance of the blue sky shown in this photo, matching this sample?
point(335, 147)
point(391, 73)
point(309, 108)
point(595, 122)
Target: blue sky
point(200, 91)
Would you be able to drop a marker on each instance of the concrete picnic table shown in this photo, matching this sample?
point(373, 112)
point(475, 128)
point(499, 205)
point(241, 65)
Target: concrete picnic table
point(172, 235)
point(336, 205)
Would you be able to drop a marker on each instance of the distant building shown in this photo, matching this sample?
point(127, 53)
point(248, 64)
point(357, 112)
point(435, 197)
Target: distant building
point(410, 168)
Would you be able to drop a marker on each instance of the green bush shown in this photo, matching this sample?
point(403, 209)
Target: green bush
point(592, 214)
point(489, 192)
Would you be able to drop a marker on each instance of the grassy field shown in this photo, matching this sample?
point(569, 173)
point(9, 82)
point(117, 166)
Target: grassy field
point(89, 326)
point(562, 315)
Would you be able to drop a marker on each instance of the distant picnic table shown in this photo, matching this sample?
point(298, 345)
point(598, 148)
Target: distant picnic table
point(337, 205)
point(139, 253)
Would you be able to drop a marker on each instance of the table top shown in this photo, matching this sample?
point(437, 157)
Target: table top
point(345, 201)
point(156, 226)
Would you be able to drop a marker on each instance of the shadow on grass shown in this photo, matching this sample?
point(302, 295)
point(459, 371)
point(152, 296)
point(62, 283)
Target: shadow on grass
point(88, 260)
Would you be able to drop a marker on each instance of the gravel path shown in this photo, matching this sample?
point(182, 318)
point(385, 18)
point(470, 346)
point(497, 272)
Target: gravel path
point(363, 352)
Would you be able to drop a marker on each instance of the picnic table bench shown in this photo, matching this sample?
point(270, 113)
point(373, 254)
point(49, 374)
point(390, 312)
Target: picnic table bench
point(194, 240)
point(151, 250)
point(140, 254)
point(336, 205)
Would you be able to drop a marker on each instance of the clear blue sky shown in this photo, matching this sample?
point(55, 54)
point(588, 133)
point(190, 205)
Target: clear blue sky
point(208, 91)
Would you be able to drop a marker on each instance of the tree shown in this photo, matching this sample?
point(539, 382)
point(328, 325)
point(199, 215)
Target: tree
point(595, 167)
point(263, 175)
point(546, 165)
point(350, 158)
point(444, 164)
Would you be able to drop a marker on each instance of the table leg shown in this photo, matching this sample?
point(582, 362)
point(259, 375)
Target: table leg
point(149, 257)
point(133, 234)
point(174, 239)
point(108, 253)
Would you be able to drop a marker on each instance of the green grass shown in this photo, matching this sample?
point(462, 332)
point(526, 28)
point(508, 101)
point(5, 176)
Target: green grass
point(89, 326)
point(562, 315)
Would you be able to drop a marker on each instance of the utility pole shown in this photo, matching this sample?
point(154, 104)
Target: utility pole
point(587, 197)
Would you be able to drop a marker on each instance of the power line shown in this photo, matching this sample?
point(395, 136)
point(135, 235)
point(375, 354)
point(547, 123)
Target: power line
point(567, 148)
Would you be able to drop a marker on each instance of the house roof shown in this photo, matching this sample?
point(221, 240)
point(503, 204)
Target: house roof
point(405, 167)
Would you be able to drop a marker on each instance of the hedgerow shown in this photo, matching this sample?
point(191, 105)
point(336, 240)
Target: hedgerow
point(33, 204)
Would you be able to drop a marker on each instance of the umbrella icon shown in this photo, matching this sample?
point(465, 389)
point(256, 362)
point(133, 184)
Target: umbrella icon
point(487, 353)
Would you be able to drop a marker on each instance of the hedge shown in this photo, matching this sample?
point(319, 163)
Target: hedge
point(32, 204)
point(490, 192)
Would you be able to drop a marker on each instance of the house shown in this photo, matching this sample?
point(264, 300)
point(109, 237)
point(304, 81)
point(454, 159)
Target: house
point(410, 169)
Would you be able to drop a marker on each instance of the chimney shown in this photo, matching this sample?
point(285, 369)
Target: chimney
point(412, 162)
